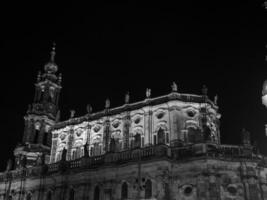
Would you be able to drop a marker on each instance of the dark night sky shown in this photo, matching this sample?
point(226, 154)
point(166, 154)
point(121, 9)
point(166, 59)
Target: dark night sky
point(104, 50)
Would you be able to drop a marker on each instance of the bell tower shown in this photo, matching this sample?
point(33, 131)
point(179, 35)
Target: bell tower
point(41, 115)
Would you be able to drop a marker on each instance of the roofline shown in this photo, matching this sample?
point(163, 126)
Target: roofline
point(137, 105)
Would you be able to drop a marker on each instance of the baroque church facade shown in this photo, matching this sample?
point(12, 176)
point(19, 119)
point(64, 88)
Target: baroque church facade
point(164, 148)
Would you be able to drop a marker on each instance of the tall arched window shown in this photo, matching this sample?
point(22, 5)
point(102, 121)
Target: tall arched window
point(137, 140)
point(96, 193)
point(191, 134)
point(161, 136)
point(124, 191)
point(148, 189)
point(71, 194)
point(45, 138)
point(97, 149)
point(49, 195)
point(36, 136)
point(194, 135)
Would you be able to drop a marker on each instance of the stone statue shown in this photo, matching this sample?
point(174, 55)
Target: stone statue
point(174, 87)
point(148, 93)
point(72, 113)
point(107, 104)
point(89, 109)
point(127, 98)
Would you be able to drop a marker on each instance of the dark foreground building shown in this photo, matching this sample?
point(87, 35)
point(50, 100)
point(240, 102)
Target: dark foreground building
point(160, 148)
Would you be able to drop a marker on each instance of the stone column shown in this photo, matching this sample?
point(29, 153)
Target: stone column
point(126, 130)
point(174, 132)
point(53, 150)
point(106, 136)
point(148, 125)
point(70, 143)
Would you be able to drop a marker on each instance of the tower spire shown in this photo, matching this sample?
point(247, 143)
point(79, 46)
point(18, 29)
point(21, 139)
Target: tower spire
point(51, 67)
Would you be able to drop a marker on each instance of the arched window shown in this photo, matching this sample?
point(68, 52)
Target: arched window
point(154, 139)
point(167, 138)
point(117, 145)
point(124, 191)
point(97, 149)
point(194, 135)
point(49, 195)
point(207, 133)
point(191, 134)
point(96, 193)
point(148, 189)
point(137, 140)
point(92, 151)
point(71, 194)
point(45, 138)
point(36, 136)
point(161, 136)
point(74, 154)
point(112, 146)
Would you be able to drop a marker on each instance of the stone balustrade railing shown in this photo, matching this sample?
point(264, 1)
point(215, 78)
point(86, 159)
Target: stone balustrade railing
point(138, 154)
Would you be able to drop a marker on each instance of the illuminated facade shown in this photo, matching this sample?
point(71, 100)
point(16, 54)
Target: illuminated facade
point(162, 148)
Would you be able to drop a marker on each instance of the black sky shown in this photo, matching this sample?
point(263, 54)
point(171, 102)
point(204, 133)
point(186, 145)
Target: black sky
point(106, 49)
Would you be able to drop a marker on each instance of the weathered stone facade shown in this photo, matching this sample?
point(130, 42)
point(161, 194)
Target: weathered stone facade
point(164, 148)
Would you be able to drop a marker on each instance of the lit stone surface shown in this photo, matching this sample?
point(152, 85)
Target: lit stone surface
point(164, 148)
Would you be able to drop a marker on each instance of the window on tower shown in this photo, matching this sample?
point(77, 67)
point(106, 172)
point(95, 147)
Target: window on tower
point(36, 136)
point(45, 138)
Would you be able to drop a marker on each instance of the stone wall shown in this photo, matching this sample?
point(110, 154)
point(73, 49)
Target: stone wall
point(195, 179)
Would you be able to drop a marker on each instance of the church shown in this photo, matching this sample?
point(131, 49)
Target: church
point(162, 148)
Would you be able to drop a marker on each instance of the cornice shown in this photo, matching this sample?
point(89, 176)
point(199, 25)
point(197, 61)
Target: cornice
point(174, 96)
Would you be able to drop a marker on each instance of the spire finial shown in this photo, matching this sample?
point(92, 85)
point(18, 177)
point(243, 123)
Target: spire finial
point(51, 66)
point(53, 52)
